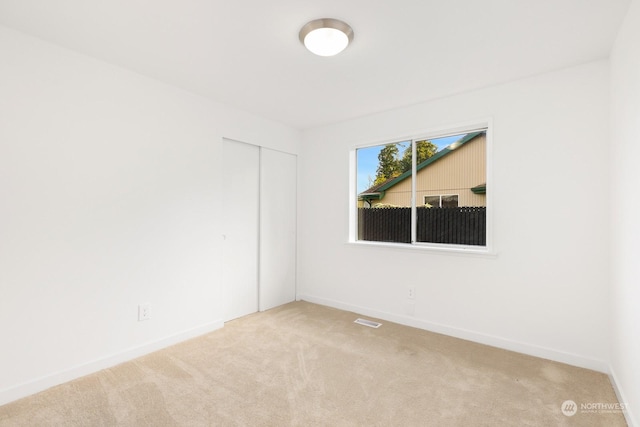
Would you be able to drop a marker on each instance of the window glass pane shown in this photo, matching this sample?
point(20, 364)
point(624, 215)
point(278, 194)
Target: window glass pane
point(450, 191)
point(431, 201)
point(384, 192)
point(449, 201)
point(454, 178)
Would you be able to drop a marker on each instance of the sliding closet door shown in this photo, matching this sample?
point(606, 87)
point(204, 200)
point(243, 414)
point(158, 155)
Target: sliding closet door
point(277, 228)
point(241, 201)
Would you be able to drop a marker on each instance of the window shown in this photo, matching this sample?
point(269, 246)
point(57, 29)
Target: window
point(441, 201)
point(428, 191)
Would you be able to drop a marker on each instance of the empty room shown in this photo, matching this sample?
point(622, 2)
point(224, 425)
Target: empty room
point(292, 213)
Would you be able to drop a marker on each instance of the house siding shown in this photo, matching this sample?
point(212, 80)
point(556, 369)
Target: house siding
point(456, 173)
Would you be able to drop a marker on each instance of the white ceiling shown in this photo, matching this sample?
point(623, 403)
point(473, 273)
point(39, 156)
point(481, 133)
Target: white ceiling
point(246, 53)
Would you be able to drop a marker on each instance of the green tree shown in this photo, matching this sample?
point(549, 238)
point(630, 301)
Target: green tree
point(424, 150)
point(388, 164)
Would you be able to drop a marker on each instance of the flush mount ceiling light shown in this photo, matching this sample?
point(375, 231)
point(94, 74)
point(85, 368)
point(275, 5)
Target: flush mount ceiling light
point(326, 37)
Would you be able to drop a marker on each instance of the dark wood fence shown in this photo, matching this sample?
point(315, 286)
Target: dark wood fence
point(461, 226)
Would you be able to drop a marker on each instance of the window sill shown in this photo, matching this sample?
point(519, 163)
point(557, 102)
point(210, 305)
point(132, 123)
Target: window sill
point(426, 248)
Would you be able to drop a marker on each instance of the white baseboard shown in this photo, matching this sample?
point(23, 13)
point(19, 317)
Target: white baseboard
point(628, 414)
point(519, 347)
point(39, 384)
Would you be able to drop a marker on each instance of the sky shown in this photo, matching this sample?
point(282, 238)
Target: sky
point(368, 159)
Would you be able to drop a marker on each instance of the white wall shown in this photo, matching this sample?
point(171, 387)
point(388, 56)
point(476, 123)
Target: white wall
point(546, 291)
point(109, 196)
point(625, 203)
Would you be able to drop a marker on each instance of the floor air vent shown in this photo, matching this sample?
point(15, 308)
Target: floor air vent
point(368, 323)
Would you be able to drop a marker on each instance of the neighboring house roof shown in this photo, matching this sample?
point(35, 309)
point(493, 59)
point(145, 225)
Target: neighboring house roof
point(377, 191)
point(480, 189)
point(373, 192)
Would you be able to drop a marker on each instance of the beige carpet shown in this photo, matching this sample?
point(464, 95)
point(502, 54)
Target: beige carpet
point(308, 365)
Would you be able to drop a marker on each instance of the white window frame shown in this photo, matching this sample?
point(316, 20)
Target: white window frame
point(488, 249)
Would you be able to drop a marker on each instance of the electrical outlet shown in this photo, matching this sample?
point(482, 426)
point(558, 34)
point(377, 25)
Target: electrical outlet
point(411, 294)
point(144, 312)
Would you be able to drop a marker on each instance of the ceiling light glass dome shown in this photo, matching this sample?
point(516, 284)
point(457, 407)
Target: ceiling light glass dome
point(326, 36)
